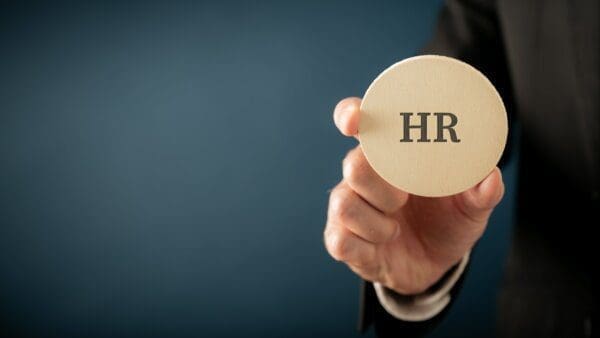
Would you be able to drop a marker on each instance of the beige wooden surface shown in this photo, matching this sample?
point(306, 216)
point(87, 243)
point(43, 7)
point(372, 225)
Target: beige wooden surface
point(433, 84)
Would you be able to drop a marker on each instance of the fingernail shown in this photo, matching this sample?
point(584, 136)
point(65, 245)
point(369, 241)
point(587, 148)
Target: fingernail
point(347, 107)
point(485, 182)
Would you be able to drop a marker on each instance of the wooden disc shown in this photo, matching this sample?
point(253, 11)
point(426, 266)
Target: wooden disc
point(432, 125)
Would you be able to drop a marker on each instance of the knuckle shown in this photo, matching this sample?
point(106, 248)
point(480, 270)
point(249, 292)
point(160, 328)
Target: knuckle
point(376, 234)
point(337, 245)
point(387, 231)
point(364, 260)
point(355, 168)
point(341, 205)
point(394, 200)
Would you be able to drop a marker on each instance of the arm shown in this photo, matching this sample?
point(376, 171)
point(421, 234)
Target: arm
point(365, 211)
point(469, 31)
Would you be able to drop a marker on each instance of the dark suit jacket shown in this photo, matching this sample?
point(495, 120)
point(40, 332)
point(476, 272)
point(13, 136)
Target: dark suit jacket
point(543, 58)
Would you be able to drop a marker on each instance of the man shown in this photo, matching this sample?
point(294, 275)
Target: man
point(413, 251)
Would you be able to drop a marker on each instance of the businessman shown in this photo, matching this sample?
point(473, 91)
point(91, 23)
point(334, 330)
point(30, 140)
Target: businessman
point(413, 252)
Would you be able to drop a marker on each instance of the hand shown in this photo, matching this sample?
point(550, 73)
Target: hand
point(405, 242)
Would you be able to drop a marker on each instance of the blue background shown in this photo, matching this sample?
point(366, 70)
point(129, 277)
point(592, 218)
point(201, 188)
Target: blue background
point(165, 167)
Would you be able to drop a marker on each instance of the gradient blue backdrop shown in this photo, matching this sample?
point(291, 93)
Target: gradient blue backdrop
point(165, 167)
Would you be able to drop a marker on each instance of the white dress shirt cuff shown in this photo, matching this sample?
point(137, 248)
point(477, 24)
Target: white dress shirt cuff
point(423, 306)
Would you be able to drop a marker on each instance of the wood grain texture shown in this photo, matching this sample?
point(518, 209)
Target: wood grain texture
point(432, 83)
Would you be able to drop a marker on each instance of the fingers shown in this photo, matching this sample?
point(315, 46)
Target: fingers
point(344, 246)
point(358, 254)
point(347, 209)
point(361, 177)
point(346, 115)
point(354, 230)
point(479, 201)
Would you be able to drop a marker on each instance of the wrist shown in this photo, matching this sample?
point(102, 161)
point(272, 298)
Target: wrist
point(426, 304)
point(429, 279)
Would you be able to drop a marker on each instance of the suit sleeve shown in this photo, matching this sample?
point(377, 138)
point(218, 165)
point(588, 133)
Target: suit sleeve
point(467, 30)
point(387, 325)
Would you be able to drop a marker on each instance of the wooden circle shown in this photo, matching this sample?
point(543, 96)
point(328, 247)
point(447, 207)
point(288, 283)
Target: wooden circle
point(448, 96)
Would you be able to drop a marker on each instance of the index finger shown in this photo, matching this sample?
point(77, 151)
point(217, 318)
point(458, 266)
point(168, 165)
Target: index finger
point(346, 115)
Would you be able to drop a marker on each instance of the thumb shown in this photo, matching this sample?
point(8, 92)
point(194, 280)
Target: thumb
point(479, 201)
point(346, 116)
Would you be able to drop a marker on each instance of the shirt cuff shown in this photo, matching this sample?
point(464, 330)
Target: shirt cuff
point(423, 306)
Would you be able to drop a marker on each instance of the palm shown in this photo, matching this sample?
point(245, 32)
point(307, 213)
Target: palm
point(435, 234)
